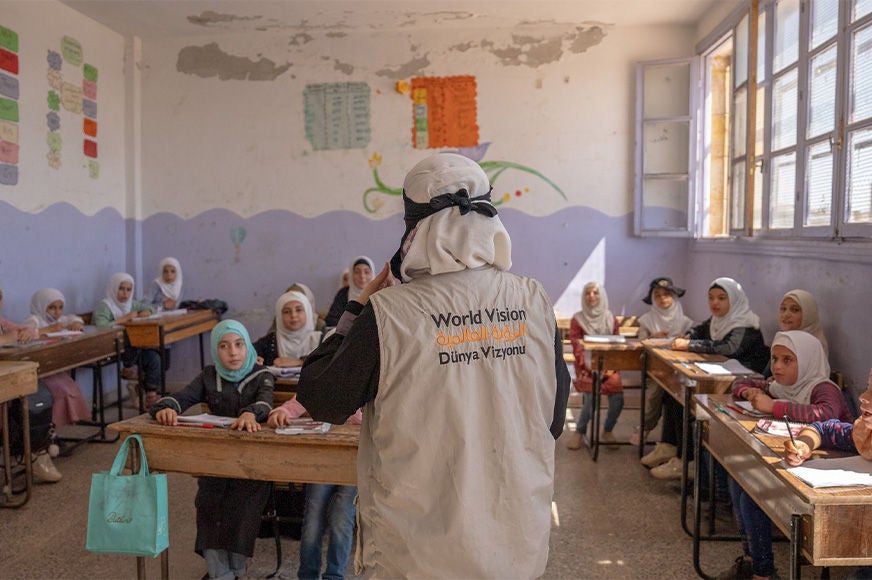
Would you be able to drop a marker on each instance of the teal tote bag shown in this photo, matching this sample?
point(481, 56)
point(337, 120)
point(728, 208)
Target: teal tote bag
point(127, 514)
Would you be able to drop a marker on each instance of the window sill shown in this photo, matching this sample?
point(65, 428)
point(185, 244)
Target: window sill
point(844, 251)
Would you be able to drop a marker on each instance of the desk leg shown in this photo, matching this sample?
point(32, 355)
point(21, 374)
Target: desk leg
point(795, 546)
point(7, 459)
point(685, 454)
point(163, 362)
point(119, 344)
point(697, 512)
point(642, 437)
point(165, 564)
point(595, 393)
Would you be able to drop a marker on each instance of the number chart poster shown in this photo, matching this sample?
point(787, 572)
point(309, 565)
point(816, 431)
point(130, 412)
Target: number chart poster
point(337, 115)
point(445, 113)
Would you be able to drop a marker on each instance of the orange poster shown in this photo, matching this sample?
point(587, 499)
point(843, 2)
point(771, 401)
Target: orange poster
point(444, 112)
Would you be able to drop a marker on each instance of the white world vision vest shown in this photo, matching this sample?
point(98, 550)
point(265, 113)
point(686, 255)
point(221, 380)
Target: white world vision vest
point(456, 460)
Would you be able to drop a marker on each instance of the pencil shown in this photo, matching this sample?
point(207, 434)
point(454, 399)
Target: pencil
point(789, 432)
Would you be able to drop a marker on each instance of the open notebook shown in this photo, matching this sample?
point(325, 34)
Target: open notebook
point(845, 471)
point(207, 419)
point(607, 338)
point(728, 367)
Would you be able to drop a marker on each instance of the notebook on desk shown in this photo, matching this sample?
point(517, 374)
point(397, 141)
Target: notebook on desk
point(605, 338)
point(206, 419)
point(728, 367)
point(845, 471)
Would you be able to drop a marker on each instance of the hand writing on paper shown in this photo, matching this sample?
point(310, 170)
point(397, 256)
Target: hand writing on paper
point(384, 279)
point(246, 422)
point(680, 344)
point(167, 417)
point(796, 454)
point(278, 417)
point(762, 402)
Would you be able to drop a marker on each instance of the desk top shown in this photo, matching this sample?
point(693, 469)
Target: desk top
point(148, 332)
point(313, 458)
point(683, 362)
point(17, 379)
point(64, 353)
point(630, 344)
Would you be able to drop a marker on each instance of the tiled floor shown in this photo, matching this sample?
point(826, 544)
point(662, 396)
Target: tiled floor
point(610, 520)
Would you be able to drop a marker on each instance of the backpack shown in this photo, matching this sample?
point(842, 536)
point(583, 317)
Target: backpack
point(214, 304)
point(39, 408)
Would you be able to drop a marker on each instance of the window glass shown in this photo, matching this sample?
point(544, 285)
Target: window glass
point(761, 46)
point(782, 191)
point(737, 196)
point(740, 54)
point(666, 147)
point(824, 21)
point(861, 9)
point(859, 199)
point(666, 93)
point(758, 199)
point(822, 98)
point(740, 122)
point(786, 49)
point(784, 107)
point(861, 75)
point(665, 205)
point(819, 185)
point(761, 121)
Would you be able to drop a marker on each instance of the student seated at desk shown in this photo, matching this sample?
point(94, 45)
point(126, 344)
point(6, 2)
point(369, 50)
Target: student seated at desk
point(166, 289)
point(307, 292)
point(328, 509)
point(228, 510)
point(362, 269)
point(594, 318)
point(798, 310)
point(47, 315)
point(733, 330)
point(666, 319)
point(119, 306)
point(802, 391)
point(12, 333)
point(294, 336)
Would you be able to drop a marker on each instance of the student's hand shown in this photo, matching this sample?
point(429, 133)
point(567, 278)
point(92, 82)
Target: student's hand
point(143, 314)
point(762, 402)
point(285, 362)
point(25, 335)
point(246, 422)
point(278, 417)
point(384, 279)
point(680, 344)
point(77, 326)
point(167, 417)
point(796, 454)
point(661, 334)
point(57, 326)
point(169, 304)
point(259, 360)
point(749, 394)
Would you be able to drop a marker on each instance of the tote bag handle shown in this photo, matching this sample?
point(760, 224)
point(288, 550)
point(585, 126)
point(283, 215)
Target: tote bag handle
point(121, 457)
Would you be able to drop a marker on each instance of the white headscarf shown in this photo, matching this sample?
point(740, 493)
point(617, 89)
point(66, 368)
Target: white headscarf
point(813, 368)
point(451, 240)
point(354, 291)
point(599, 319)
point(811, 322)
point(172, 290)
point(739, 316)
point(118, 309)
point(344, 279)
point(302, 288)
point(295, 343)
point(39, 317)
point(670, 320)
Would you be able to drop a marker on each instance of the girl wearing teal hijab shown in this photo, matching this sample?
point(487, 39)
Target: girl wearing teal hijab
point(228, 510)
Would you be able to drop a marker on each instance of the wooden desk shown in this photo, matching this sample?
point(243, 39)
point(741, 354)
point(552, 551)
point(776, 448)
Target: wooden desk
point(159, 332)
point(94, 345)
point(285, 390)
point(611, 356)
point(677, 374)
point(17, 380)
point(829, 526)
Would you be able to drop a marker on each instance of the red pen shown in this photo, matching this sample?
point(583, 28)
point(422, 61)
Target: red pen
point(202, 425)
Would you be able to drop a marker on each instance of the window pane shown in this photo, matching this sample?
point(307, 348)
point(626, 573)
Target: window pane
point(822, 100)
point(859, 204)
point(665, 205)
point(861, 9)
point(861, 75)
point(786, 33)
point(819, 185)
point(761, 121)
point(782, 191)
point(824, 21)
point(737, 197)
point(761, 46)
point(740, 122)
point(666, 93)
point(784, 105)
point(740, 53)
point(666, 147)
point(758, 199)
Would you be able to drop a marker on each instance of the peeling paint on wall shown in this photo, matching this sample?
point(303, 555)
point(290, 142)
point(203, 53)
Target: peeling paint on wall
point(587, 38)
point(336, 35)
point(412, 68)
point(210, 17)
point(301, 38)
point(210, 61)
point(343, 67)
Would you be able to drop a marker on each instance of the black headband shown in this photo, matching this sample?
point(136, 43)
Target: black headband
point(415, 212)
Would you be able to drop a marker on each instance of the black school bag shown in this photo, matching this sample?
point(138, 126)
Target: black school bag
point(39, 406)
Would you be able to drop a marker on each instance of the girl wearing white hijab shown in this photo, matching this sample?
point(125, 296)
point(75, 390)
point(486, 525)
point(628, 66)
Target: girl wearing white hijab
point(294, 336)
point(594, 318)
point(799, 311)
point(117, 307)
point(47, 312)
point(801, 391)
point(166, 289)
point(47, 315)
point(362, 270)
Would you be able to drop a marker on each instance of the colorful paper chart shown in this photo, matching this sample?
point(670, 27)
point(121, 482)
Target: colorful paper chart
point(444, 112)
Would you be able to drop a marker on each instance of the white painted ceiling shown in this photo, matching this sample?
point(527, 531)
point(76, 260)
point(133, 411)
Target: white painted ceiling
point(151, 19)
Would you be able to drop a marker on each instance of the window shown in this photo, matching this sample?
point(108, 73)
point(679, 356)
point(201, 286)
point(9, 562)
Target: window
point(809, 103)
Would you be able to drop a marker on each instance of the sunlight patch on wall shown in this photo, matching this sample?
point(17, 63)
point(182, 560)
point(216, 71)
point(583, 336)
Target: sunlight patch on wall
point(593, 269)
